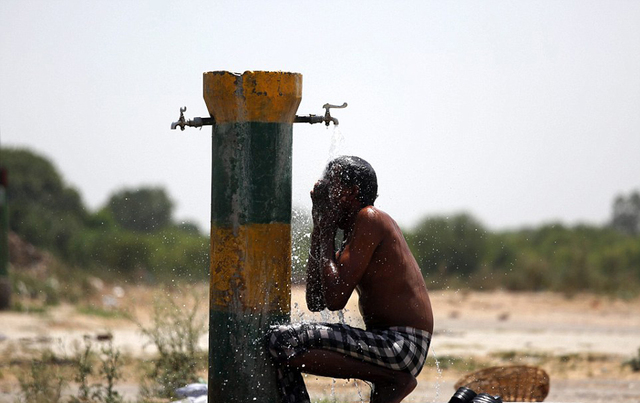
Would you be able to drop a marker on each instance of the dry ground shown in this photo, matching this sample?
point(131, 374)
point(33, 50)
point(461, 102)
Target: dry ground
point(582, 342)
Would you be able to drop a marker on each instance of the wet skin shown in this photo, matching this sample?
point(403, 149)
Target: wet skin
point(376, 262)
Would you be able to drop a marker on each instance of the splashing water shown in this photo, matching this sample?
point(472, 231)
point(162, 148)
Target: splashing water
point(333, 390)
point(439, 377)
point(355, 382)
point(298, 312)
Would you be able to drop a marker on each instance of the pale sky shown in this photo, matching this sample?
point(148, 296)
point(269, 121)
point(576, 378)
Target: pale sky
point(517, 112)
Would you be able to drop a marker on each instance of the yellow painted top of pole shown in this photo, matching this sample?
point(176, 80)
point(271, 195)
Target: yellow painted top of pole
point(254, 96)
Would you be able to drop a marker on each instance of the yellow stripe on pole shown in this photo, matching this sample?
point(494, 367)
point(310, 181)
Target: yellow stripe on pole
point(250, 267)
point(254, 96)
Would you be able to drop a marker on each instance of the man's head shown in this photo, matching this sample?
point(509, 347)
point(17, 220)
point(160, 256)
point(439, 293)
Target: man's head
point(354, 172)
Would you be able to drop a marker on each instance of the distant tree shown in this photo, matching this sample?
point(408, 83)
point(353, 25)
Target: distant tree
point(42, 208)
point(626, 214)
point(146, 209)
point(101, 220)
point(189, 227)
point(448, 245)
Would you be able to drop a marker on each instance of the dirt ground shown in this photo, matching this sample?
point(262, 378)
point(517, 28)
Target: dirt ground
point(582, 342)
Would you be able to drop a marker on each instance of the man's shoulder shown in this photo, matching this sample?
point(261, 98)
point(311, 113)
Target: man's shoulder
point(372, 218)
point(373, 214)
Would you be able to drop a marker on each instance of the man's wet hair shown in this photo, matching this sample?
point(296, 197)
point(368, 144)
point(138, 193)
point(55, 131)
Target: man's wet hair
point(356, 171)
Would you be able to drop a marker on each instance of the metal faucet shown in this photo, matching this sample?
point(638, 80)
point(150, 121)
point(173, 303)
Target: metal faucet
point(199, 122)
point(327, 118)
point(195, 122)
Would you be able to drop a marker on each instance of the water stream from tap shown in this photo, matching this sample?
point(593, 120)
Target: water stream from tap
point(337, 143)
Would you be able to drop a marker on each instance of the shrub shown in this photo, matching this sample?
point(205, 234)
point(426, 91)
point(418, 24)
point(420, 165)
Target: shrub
point(634, 363)
point(174, 332)
point(43, 382)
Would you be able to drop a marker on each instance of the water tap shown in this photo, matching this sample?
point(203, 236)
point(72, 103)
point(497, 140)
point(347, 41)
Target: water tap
point(327, 118)
point(195, 122)
point(327, 115)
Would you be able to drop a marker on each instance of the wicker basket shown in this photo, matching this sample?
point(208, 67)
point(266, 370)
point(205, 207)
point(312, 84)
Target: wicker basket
point(518, 383)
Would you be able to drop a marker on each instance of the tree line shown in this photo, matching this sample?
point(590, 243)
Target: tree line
point(459, 252)
point(135, 235)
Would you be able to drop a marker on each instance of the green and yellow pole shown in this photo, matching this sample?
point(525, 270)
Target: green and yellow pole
point(250, 227)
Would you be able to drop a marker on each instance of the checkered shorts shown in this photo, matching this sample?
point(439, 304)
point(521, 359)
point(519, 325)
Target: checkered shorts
point(399, 348)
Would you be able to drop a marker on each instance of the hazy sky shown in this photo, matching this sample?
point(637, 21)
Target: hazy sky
point(518, 112)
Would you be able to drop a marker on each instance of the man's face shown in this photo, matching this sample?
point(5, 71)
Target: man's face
point(340, 197)
point(336, 189)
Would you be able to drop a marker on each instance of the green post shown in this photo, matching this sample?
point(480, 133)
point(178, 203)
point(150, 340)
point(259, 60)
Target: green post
point(250, 227)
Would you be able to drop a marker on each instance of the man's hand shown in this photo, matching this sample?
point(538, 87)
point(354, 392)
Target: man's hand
point(319, 249)
point(324, 216)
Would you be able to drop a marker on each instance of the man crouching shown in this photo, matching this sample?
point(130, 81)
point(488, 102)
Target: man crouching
point(375, 260)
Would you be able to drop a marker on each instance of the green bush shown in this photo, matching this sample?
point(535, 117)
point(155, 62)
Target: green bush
point(457, 252)
point(169, 255)
point(174, 332)
point(43, 209)
point(634, 363)
point(449, 246)
point(43, 382)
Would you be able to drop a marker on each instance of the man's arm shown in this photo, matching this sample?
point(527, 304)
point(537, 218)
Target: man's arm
point(320, 254)
point(322, 245)
point(343, 273)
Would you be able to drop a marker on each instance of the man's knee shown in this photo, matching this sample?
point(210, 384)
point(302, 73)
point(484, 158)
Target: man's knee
point(282, 341)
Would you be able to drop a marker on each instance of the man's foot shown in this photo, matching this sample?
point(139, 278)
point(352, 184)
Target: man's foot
point(404, 384)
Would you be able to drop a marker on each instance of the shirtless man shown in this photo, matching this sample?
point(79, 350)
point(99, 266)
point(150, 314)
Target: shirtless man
point(374, 260)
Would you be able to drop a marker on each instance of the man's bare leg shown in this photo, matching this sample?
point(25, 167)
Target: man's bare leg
point(389, 386)
point(384, 393)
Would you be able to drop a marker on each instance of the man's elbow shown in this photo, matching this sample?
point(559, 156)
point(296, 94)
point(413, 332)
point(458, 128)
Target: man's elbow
point(315, 307)
point(336, 303)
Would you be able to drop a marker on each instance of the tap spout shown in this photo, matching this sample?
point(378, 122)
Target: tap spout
point(195, 122)
point(326, 119)
point(181, 121)
point(327, 114)
point(331, 119)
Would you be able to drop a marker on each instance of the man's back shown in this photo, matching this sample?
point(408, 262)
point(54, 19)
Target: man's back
point(391, 290)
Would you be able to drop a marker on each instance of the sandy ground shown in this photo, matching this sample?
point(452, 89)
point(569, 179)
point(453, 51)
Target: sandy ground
point(580, 341)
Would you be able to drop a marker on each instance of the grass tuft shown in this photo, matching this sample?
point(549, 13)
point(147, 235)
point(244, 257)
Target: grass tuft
point(174, 332)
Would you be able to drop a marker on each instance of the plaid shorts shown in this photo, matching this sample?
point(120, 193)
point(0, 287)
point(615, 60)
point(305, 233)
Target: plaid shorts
point(399, 348)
